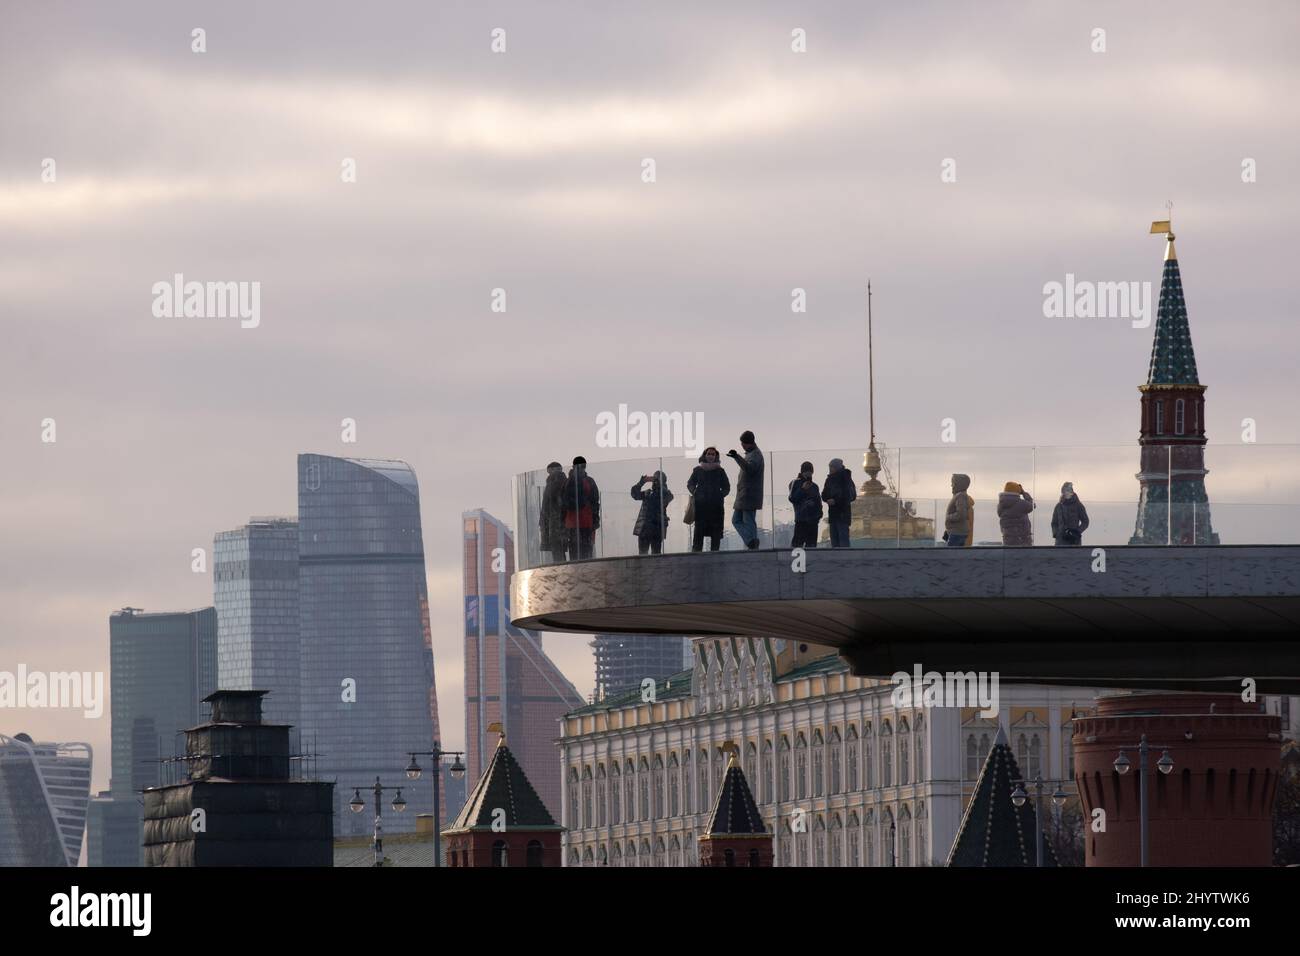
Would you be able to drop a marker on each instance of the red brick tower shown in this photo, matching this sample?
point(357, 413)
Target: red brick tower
point(735, 835)
point(1214, 807)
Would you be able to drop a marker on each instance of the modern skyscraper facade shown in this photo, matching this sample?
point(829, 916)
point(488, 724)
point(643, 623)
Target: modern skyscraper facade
point(162, 664)
point(255, 591)
point(367, 691)
point(508, 677)
point(44, 791)
point(623, 661)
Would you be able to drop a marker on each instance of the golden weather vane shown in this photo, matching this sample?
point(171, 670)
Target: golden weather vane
point(1165, 227)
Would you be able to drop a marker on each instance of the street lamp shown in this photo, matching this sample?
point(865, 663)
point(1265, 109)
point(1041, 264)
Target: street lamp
point(1122, 765)
point(413, 771)
point(1018, 798)
point(358, 804)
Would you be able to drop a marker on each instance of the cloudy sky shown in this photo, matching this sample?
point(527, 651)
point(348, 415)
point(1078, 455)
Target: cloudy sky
point(522, 170)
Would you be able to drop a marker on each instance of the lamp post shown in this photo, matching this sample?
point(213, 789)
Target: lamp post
point(1122, 766)
point(1018, 798)
point(358, 804)
point(413, 771)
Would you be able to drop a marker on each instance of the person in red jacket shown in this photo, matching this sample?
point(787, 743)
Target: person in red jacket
point(581, 506)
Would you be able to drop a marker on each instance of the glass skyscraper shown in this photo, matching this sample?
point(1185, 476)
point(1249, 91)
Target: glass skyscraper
point(508, 677)
point(367, 692)
point(162, 665)
point(44, 791)
point(255, 590)
point(623, 661)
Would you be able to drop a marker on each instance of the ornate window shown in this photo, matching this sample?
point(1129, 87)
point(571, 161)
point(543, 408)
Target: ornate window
point(869, 839)
point(801, 846)
point(851, 754)
point(1160, 417)
point(616, 859)
point(629, 791)
point(819, 764)
point(819, 842)
point(1179, 416)
point(922, 820)
point(643, 780)
point(768, 794)
point(888, 839)
point(868, 759)
point(904, 753)
point(645, 857)
point(686, 782)
point(855, 840)
point(905, 837)
point(972, 758)
point(674, 784)
point(675, 852)
point(702, 782)
point(602, 856)
point(660, 856)
point(657, 786)
point(918, 734)
point(602, 792)
point(751, 763)
point(836, 758)
point(784, 768)
point(719, 761)
point(500, 854)
point(574, 822)
point(783, 844)
point(800, 767)
point(886, 755)
point(616, 802)
point(837, 841)
point(588, 818)
point(588, 858)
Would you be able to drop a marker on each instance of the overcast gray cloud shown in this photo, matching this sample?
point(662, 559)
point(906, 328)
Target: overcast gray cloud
point(522, 171)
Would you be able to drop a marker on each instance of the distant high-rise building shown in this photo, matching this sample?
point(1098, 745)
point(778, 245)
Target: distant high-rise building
point(367, 690)
point(44, 790)
point(508, 678)
point(623, 661)
point(255, 591)
point(162, 665)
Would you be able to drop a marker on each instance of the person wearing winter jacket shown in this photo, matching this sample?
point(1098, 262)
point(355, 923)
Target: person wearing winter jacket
point(581, 504)
point(652, 522)
point(709, 487)
point(807, 508)
point(838, 491)
point(551, 521)
point(1070, 518)
point(749, 490)
point(1014, 507)
point(959, 520)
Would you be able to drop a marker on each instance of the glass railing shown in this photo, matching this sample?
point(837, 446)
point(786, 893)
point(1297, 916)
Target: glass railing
point(1158, 495)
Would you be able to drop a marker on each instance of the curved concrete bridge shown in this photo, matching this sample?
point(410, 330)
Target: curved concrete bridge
point(1197, 618)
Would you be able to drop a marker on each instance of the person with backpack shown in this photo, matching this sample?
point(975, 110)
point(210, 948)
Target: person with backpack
point(708, 487)
point(839, 493)
point(749, 490)
point(550, 523)
point(581, 504)
point(807, 508)
point(1014, 507)
point(652, 522)
point(1070, 519)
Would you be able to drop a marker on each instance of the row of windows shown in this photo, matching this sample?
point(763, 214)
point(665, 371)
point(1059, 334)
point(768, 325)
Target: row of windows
point(637, 791)
point(1180, 416)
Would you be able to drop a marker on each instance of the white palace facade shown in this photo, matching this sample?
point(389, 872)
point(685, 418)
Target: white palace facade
point(841, 775)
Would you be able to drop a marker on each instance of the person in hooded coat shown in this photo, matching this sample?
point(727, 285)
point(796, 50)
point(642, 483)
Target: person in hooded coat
point(581, 503)
point(709, 487)
point(839, 492)
point(749, 490)
point(652, 522)
point(1070, 518)
point(806, 498)
point(551, 521)
point(959, 520)
point(1014, 507)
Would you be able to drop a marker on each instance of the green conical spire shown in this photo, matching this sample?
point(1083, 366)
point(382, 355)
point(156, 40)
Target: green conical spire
point(1173, 362)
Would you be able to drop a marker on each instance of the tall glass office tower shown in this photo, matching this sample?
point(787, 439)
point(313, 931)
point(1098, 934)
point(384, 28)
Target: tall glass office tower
point(367, 691)
point(255, 590)
point(44, 791)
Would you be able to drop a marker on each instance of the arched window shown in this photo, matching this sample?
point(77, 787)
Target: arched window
point(869, 843)
point(728, 857)
point(719, 762)
point(674, 784)
point(573, 854)
point(686, 782)
point(819, 842)
point(818, 764)
point(851, 755)
point(602, 856)
point(904, 753)
point(972, 758)
point(800, 768)
point(575, 821)
point(643, 789)
point(702, 783)
point(888, 839)
point(657, 786)
point(644, 856)
point(836, 758)
point(837, 841)
point(1160, 417)
point(602, 791)
point(784, 769)
point(886, 755)
point(868, 759)
point(660, 854)
point(922, 822)
point(588, 858)
point(1179, 417)
point(629, 791)
point(784, 844)
point(768, 794)
point(801, 841)
point(501, 856)
point(675, 852)
point(631, 853)
point(588, 817)
point(855, 840)
point(615, 796)
point(918, 734)
point(905, 837)
point(616, 858)
point(751, 763)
